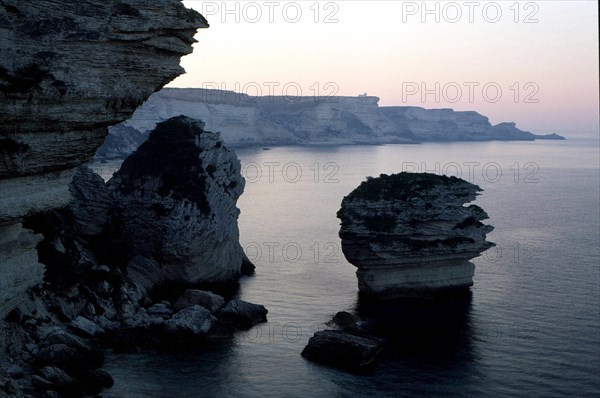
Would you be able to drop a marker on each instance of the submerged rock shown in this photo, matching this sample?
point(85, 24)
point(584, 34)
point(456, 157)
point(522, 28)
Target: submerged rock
point(345, 321)
point(343, 349)
point(410, 235)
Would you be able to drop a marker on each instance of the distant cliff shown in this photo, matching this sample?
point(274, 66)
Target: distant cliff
point(269, 120)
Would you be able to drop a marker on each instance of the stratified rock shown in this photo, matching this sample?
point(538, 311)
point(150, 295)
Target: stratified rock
point(40, 383)
point(177, 194)
point(274, 120)
point(57, 335)
point(242, 314)
point(210, 301)
point(145, 272)
point(68, 71)
point(342, 349)
point(19, 267)
point(410, 235)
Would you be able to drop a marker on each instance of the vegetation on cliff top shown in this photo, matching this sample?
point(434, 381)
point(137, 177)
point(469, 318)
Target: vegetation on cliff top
point(171, 155)
point(403, 186)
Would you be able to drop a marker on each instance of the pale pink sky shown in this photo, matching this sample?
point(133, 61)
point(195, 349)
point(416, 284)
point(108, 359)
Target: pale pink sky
point(542, 56)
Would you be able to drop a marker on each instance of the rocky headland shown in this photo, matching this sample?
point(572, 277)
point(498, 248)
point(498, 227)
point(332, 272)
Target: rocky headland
point(126, 261)
point(271, 120)
point(83, 264)
point(409, 234)
point(68, 71)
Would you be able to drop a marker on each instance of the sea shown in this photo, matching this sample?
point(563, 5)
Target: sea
point(529, 328)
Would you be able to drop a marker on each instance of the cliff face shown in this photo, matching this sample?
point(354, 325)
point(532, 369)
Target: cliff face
point(118, 257)
point(244, 120)
point(177, 202)
point(450, 125)
point(409, 234)
point(168, 215)
point(68, 70)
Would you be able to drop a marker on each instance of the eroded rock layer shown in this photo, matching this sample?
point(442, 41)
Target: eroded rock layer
point(177, 194)
point(168, 214)
point(68, 70)
point(409, 234)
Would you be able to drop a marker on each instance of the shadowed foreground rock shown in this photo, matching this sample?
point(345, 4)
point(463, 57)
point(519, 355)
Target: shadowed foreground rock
point(69, 70)
point(343, 349)
point(410, 235)
point(177, 201)
point(120, 254)
point(168, 215)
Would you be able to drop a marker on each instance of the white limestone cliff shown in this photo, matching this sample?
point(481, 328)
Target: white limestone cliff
point(243, 120)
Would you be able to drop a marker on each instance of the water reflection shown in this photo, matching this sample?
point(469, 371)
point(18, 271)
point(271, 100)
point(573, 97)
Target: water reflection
point(173, 374)
point(433, 333)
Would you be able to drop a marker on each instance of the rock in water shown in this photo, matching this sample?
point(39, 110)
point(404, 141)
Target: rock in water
point(342, 349)
point(210, 301)
point(410, 235)
point(242, 314)
point(193, 321)
point(177, 197)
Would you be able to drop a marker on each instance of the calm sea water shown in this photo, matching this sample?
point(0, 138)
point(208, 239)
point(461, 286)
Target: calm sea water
point(531, 326)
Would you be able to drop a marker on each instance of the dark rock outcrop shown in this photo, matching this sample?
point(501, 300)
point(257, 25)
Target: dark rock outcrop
point(210, 301)
point(410, 235)
point(343, 349)
point(68, 70)
point(194, 321)
point(177, 198)
point(166, 221)
point(168, 215)
point(242, 314)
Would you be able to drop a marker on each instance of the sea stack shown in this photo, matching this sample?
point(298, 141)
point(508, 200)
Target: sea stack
point(410, 235)
point(177, 195)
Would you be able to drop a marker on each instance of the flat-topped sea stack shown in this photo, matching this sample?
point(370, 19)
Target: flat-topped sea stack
point(410, 235)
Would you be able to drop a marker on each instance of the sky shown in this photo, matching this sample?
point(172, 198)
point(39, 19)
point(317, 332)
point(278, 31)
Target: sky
point(533, 63)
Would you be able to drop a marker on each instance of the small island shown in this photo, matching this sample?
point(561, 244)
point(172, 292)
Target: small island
point(410, 235)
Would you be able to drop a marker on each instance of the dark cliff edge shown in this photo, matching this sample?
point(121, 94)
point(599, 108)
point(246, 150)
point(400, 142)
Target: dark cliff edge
point(148, 260)
point(69, 286)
